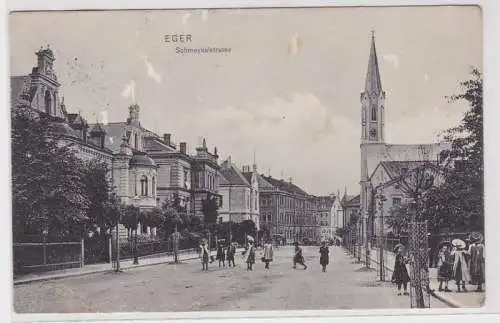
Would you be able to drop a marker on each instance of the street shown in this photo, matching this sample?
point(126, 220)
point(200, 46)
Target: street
point(184, 287)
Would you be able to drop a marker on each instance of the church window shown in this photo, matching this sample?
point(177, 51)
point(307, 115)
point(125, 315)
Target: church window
point(48, 102)
point(136, 141)
point(144, 186)
point(153, 186)
point(374, 114)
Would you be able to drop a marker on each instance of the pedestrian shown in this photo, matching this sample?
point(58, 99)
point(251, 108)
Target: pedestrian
point(298, 258)
point(204, 255)
point(268, 253)
point(250, 255)
point(221, 256)
point(231, 251)
point(445, 266)
point(324, 258)
point(476, 252)
point(400, 275)
point(460, 269)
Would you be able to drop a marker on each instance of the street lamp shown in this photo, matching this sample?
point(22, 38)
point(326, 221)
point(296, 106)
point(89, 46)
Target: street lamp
point(381, 199)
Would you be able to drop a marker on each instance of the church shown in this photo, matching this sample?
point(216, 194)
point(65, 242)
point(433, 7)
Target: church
point(374, 149)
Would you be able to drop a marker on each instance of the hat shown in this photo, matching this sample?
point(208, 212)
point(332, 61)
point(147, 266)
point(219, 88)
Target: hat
point(399, 247)
point(444, 243)
point(458, 243)
point(476, 237)
point(295, 243)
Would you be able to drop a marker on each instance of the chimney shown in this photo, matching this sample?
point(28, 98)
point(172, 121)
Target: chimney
point(290, 180)
point(166, 138)
point(182, 147)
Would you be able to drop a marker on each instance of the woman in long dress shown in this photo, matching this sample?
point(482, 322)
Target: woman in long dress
point(324, 258)
point(460, 269)
point(477, 263)
point(400, 275)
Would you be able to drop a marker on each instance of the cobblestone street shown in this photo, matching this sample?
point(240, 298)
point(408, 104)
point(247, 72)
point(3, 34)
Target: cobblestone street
point(184, 287)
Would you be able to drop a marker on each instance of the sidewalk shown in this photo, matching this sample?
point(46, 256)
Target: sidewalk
point(103, 267)
point(453, 299)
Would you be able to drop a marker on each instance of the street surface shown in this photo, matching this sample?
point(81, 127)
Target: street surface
point(184, 287)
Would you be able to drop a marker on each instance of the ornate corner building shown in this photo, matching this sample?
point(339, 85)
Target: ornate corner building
point(145, 168)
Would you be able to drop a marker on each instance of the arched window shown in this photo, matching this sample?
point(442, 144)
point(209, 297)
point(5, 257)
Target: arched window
point(136, 141)
point(153, 186)
point(374, 113)
point(48, 102)
point(144, 186)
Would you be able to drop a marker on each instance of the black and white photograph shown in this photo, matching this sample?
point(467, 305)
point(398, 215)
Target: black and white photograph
point(247, 159)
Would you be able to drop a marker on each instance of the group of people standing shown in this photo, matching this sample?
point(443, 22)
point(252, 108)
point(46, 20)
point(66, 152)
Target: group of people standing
point(228, 252)
point(456, 262)
point(461, 264)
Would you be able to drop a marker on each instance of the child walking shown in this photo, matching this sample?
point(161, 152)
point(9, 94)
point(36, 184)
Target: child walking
point(445, 270)
point(298, 258)
point(204, 256)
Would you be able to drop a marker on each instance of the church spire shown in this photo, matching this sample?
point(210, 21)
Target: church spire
point(373, 83)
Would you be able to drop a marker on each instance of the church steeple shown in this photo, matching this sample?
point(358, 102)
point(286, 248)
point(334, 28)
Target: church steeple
point(372, 101)
point(373, 85)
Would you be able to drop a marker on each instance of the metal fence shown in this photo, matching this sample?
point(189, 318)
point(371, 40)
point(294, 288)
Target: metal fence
point(32, 257)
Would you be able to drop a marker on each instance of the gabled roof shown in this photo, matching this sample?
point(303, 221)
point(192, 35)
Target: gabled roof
point(395, 168)
point(232, 174)
point(285, 186)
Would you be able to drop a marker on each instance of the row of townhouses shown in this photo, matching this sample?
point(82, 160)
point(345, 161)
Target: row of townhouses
point(147, 169)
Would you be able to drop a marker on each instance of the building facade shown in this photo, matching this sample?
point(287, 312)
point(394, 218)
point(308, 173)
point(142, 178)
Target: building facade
point(240, 193)
point(145, 169)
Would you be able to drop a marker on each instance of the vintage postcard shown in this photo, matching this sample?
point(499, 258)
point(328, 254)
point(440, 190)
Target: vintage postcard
point(253, 159)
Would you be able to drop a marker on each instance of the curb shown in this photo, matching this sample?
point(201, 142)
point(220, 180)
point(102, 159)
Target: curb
point(97, 271)
point(446, 300)
point(438, 296)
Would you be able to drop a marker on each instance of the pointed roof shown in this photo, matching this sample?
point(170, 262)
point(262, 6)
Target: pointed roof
point(232, 174)
point(373, 83)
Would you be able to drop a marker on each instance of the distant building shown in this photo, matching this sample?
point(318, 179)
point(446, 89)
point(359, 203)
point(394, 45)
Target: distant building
point(336, 215)
point(240, 193)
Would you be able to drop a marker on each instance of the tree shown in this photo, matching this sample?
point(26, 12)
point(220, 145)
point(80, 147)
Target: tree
point(98, 190)
point(210, 208)
point(155, 218)
point(173, 220)
point(130, 217)
point(459, 200)
point(247, 227)
point(47, 178)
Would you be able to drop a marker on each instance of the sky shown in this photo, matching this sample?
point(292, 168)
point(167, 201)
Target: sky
point(288, 90)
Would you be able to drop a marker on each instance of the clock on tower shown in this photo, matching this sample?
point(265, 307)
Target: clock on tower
point(373, 133)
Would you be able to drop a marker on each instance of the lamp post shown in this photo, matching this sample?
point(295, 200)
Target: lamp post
point(381, 199)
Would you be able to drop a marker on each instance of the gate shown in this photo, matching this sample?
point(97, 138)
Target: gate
point(419, 260)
